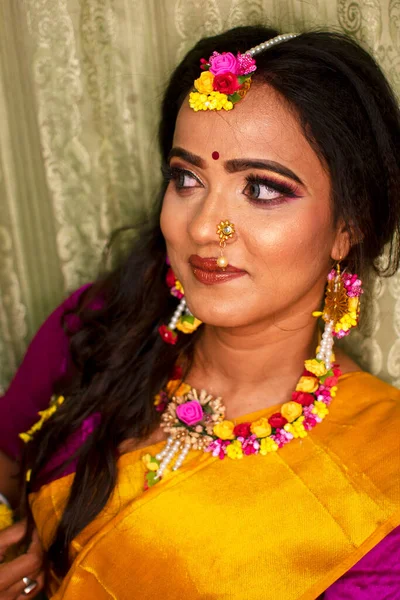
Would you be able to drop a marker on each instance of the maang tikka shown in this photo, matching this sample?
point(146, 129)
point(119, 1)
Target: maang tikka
point(182, 319)
point(226, 78)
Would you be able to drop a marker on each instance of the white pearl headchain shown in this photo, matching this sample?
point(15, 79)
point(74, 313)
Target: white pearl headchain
point(272, 42)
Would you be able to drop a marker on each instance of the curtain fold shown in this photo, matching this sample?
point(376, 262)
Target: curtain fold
point(80, 88)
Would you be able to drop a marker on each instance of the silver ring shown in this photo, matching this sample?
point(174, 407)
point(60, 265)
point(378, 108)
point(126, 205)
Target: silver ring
point(30, 585)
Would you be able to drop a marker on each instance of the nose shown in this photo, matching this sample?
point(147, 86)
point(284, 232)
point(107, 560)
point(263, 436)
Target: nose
point(203, 223)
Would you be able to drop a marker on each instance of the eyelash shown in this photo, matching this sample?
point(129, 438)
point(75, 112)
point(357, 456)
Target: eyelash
point(286, 190)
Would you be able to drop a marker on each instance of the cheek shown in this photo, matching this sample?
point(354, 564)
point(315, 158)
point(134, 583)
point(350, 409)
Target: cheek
point(301, 237)
point(173, 227)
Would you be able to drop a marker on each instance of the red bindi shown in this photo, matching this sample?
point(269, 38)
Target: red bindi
point(215, 155)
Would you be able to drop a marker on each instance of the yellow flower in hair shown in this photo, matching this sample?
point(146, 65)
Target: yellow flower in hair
point(224, 430)
point(307, 384)
point(234, 450)
point(315, 366)
point(261, 428)
point(204, 84)
point(267, 445)
point(212, 101)
point(291, 410)
point(44, 416)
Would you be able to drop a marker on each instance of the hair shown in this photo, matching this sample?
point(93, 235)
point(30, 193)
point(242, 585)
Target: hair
point(349, 115)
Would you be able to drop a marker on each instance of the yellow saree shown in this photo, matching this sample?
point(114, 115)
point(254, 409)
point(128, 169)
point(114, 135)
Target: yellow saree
point(281, 526)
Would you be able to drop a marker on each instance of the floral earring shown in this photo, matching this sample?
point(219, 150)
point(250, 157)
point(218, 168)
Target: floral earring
point(182, 319)
point(341, 310)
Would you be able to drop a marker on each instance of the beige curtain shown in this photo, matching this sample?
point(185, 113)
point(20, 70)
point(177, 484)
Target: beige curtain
point(80, 86)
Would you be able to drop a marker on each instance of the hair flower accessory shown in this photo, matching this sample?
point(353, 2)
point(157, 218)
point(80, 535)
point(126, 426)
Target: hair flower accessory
point(225, 79)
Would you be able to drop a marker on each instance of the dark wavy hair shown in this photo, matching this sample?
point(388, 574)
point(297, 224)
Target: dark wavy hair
point(349, 115)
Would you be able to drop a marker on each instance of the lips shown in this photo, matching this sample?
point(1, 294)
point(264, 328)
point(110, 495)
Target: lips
point(207, 271)
point(210, 265)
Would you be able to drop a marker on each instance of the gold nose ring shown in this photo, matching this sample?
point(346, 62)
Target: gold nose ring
point(225, 230)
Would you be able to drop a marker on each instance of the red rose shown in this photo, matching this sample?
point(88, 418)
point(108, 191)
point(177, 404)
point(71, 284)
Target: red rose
point(169, 336)
point(170, 278)
point(336, 371)
point(242, 430)
point(303, 398)
point(277, 420)
point(330, 381)
point(226, 83)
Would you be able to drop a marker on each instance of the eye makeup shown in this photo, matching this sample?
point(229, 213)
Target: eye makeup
point(277, 191)
point(259, 189)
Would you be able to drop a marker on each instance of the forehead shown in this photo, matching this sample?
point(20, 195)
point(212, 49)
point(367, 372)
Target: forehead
point(261, 125)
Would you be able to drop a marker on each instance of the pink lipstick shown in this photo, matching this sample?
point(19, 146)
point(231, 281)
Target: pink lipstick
point(208, 272)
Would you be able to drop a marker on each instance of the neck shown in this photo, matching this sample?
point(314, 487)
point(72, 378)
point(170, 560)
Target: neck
point(252, 368)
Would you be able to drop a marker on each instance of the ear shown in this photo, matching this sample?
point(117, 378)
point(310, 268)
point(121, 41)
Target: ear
point(342, 241)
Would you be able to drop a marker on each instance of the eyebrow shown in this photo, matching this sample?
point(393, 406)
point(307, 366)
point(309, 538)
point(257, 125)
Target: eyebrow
point(237, 164)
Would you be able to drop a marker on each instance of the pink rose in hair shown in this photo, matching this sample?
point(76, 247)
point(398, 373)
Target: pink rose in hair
point(190, 413)
point(223, 63)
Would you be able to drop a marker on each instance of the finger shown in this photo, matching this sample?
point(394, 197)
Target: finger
point(16, 591)
point(40, 585)
point(35, 546)
point(14, 571)
point(11, 535)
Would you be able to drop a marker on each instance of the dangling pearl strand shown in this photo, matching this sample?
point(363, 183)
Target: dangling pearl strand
point(326, 346)
point(167, 455)
point(177, 314)
point(276, 40)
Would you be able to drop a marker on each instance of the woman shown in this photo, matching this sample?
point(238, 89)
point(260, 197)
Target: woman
point(281, 171)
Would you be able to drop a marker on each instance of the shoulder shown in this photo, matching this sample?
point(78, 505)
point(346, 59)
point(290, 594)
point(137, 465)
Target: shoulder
point(366, 401)
point(360, 391)
point(362, 431)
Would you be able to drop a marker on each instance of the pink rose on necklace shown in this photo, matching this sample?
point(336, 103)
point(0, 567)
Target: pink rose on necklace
point(190, 413)
point(223, 63)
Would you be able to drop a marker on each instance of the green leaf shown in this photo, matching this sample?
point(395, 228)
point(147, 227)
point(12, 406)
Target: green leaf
point(188, 319)
point(234, 97)
point(242, 78)
point(328, 374)
point(151, 478)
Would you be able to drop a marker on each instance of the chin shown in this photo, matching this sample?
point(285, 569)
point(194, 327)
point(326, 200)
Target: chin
point(218, 314)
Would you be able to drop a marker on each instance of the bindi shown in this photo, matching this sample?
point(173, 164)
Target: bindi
point(215, 155)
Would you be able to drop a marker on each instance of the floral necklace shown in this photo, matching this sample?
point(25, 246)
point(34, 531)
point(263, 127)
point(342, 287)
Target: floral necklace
point(197, 421)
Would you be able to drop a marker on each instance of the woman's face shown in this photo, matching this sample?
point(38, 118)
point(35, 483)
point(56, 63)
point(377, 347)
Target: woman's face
point(267, 180)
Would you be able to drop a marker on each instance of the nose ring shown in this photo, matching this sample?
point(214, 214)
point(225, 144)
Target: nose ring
point(225, 230)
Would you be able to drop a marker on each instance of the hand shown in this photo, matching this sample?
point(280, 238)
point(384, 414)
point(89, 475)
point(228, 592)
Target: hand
point(26, 565)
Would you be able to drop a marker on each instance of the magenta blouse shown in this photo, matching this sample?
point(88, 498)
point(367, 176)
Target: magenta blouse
point(375, 577)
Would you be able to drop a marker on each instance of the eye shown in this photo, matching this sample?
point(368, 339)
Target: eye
point(263, 190)
point(182, 178)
